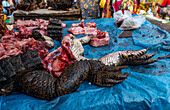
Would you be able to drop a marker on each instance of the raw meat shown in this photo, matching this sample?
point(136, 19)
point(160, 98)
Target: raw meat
point(91, 24)
point(64, 25)
point(80, 28)
point(100, 39)
point(69, 52)
point(76, 30)
point(81, 24)
point(38, 23)
point(90, 30)
point(12, 45)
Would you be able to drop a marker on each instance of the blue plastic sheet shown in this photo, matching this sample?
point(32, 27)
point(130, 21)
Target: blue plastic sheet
point(147, 87)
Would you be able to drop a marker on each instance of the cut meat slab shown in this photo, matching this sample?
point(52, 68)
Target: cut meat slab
point(100, 39)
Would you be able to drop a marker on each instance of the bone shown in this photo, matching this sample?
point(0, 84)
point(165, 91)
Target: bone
point(85, 40)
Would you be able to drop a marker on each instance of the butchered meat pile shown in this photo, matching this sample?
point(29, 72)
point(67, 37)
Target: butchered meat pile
point(99, 38)
point(30, 24)
point(25, 27)
point(11, 45)
point(81, 28)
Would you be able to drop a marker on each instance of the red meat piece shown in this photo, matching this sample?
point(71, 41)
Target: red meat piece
point(91, 24)
point(76, 30)
point(90, 30)
point(56, 61)
point(100, 39)
point(81, 24)
point(64, 25)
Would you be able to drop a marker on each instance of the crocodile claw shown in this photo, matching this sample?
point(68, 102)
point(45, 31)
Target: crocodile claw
point(108, 76)
point(138, 57)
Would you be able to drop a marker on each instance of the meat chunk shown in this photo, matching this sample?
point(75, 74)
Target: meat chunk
point(80, 28)
point(69, 52)
point(91, 24)
point(64, 25)
point(76, 30)
point(100, 39)
point(81, 24)
point(11, 45)
point(90, 30)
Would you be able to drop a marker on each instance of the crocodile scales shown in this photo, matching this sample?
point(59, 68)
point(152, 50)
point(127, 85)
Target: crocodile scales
point(37, 82)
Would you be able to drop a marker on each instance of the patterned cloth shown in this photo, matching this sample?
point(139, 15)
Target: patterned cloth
point(3, 27)
point(143, 6)
point(166, 8)
point(130, 5)
point(154, 7)
point(163, 10)
point(165, 3)
point(89, 9)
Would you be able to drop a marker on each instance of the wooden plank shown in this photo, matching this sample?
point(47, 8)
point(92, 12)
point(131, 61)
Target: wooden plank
point(46, 14)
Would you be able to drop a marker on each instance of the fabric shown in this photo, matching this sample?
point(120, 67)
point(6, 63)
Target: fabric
point(3, 27)
point(89, 9)
point(165, 3)
point(165, 11)
point(143, 6)
point(6, 7)
point(5, 3)
point(130, 5)
point(154, 6)
point(102, 3)
point(147, 87)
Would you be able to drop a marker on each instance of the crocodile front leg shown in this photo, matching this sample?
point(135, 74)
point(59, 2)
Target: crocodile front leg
point(107, 76)
point(43, 85)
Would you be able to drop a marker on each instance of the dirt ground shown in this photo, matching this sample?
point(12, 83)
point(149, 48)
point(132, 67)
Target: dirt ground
point(161, 25)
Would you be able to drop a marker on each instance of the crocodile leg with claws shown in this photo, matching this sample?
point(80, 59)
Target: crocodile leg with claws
point(42, 85)
point(138, 57)
point(28, 78)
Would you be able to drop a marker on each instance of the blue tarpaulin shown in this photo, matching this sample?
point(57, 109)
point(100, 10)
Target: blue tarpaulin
point(147, 87)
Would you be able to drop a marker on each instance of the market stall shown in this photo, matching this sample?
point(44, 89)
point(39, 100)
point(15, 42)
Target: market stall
point(147, 87)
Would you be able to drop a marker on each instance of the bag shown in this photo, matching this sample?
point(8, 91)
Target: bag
point(129, 21)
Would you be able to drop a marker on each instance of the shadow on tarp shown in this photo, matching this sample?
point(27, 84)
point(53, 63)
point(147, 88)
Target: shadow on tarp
point(147, 87)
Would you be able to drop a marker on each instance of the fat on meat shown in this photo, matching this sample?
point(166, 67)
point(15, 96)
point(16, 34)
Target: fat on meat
point(76, 30)
point(81, 28)
point(81, 24)
point(91, 24)
point(90, 30)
